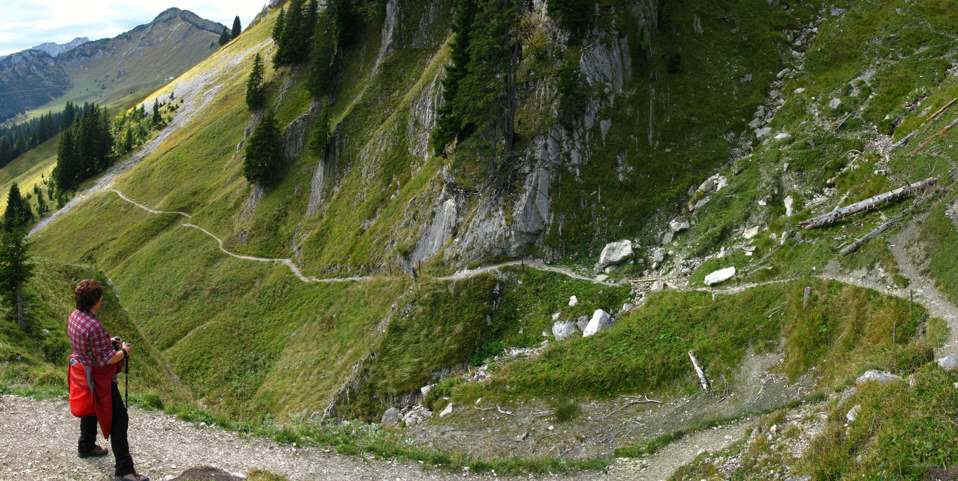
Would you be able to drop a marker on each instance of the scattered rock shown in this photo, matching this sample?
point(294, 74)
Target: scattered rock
point(783, 136)
point(601, 278)
point(949, 362)
point(390, 417)
point(880, 377)
point(763, 132)
point(800, 90)
point(615, 253)
point(657, 257)
point(720, 276)
point(446, 411)
point(789, 206)
point(582, 322)
point(573, 301)
point(852, 413)
point(678, 225)
point(714, 183)
point(206, 473)
point(750, 233)
point(600, 321)
point(425, 389)
point(416, 415)
point(555, 316)
point(564, 329)
point(835, 103)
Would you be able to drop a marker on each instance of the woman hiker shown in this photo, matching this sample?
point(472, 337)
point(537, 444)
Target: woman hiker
point(95, 361)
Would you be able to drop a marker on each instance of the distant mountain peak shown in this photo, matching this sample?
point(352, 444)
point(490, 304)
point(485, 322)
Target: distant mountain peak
point(55, 49)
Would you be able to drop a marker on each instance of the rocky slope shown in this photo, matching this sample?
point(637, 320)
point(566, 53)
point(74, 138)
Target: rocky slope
point(55, 49)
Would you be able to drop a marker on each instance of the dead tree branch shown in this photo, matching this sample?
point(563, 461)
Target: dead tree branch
point(868, 204)
point(698, 370)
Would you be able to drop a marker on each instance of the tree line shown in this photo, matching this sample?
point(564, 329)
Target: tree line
point(228, 34)
point(19, 138)
point(305, 36)
point(15, 270)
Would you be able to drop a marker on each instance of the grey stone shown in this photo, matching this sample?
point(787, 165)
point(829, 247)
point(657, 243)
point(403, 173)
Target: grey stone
point(657, 257)
point(880, 377)
point(835, 103)
point(949, 363)
point(678, 225)
point(763, 132)
point(573, 301)
point(439, 231)
point(425, 389)
point(390, 417)
point(582, 322)
point(446, 411)
point(615, 253)
point(789, 206)
point(714, 183)
point(852, 413)
point(750, 233)
point(783, 136)
point(601, 320)
point(416, 415)
point(720, 276)
point(564, 329)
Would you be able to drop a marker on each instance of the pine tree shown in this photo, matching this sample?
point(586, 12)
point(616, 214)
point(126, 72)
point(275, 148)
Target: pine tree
point(449, 122)
point(237, 28)
point(42, 207)
point(279, 26)
point(255, 92)
point(18, 214)
point(15, 271)
point(264, 153)
point(289, 49)
point(65, 173)
point(225, 36)
point(157, 118)
point(320, 141)
point(324, 54)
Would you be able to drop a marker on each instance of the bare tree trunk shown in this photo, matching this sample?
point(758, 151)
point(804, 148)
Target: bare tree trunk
point(854, 246)
point(868, 204)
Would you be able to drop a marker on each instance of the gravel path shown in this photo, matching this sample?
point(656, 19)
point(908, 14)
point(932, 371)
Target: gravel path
point(39, 443)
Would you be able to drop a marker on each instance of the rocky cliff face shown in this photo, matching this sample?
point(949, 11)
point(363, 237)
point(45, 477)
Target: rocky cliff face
point(28, 79)
point(55, 49)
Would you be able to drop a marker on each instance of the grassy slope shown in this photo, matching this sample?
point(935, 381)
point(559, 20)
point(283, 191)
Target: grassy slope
point(29, 169)
point(38, 358)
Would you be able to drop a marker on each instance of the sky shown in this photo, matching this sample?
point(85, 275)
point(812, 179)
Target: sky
point(26, 23)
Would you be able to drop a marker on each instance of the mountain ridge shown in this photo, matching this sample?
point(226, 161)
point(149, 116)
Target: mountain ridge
point(55, 49)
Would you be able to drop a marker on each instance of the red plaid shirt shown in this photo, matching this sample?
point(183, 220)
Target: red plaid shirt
point(90, 341)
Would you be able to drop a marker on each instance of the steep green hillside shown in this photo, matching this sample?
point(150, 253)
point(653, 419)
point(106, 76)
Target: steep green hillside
point(37, 359)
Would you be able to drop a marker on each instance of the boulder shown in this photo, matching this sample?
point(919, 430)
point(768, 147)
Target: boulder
point(789, 206)
point(390, 417)
point(763, 132)
point(678, 225)
point(714, 183)
point(750, 233)
point(658, 256)
point(783, 136)
point(720, 276)
point(615, 253)
point(564, 329)
point(949, 363)
point(446, 411)
point(582, 322)
point(880, 377)
point(600, 321)
point(573, 301)
point(835, 103)
point(425, 389)
point(416, 415)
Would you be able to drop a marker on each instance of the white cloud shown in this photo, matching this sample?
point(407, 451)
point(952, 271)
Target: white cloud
point(24, 24)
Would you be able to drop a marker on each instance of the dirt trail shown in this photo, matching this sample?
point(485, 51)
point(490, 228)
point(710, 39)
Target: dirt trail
point(39, 442)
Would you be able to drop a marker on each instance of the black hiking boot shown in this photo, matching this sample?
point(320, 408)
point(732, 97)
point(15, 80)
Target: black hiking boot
point(132, 477)
point(96, 452)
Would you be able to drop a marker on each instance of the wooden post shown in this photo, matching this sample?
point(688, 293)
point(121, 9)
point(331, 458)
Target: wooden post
point(703, 381)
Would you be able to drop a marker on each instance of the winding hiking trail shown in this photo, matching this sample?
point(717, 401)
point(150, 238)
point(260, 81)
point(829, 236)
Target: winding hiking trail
point(39, 443)
point(921, 289)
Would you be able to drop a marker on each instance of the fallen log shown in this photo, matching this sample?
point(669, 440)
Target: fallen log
point(941, 133)
point(868, 204)
point(698, 370)
point(854, 246)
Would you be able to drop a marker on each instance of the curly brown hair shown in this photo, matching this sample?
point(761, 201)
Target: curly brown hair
point(88, 292)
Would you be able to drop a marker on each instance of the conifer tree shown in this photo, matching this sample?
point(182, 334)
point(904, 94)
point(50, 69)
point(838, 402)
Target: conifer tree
point(255, 92)
point(18, 214)
point(15, 271)
point(225, 37)
point(289, 51)
point(279, 25)
point(157, 118)
point(264, 153)
point(320, 141)
point(449, 122)
point(323, 59)
point(237, 28)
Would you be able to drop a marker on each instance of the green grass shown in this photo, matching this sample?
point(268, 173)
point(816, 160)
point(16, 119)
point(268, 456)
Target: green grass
point(29, 170)
point(34, 362)
point(646, 350)
point(939, 234)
